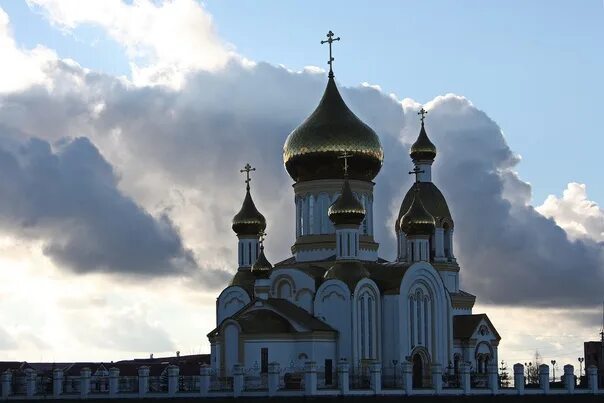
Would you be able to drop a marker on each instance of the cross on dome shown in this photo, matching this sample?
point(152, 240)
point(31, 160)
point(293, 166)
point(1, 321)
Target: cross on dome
point(423, 113)
point(330, 39)
point(247, 169)
point(345, 155)
point(416, 171)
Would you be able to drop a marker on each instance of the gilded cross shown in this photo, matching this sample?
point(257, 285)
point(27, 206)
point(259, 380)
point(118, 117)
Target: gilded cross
point(330, 39)
point(345, 155)
point(422, 112)
point(416, 171)
point(247, 169)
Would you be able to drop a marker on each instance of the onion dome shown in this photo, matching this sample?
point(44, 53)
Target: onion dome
point(350, 272)
point(311, 150)
point(248, 221)
point(346, 209)
point(423, 149)
point(262, 267)
point(417, 220)
point(433, 201)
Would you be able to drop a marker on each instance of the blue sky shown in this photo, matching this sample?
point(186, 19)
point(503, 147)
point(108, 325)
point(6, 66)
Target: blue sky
point(535, 67)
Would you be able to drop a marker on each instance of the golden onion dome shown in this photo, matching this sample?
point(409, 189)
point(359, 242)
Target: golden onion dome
point(346, 209)
point(433, 201)
point(262, 267)
point(248, 221)
point(417, 220)
point(311, 150)
point(423, 149)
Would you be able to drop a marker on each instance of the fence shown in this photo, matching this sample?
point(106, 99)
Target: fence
point(311, 380)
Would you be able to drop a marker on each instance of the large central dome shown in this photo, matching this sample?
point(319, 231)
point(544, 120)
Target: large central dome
point(311, 151)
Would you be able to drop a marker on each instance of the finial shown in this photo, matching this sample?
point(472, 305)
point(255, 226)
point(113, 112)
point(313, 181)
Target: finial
point(422, 112)
point(416, 171)
point(247, 169)
point(330, 40)
point(262, 238)
point(345, 155)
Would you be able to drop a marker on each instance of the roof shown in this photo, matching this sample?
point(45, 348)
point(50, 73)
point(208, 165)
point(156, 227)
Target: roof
point(464, 326)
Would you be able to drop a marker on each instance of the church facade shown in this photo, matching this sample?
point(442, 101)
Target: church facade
point(335, 299)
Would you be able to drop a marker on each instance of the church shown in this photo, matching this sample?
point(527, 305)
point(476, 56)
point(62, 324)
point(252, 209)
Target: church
point(335, 299)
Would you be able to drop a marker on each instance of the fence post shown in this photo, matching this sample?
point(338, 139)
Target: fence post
point(30, 378)
point(592, 378)
point(493, 378)
point(343, 377)
point(173, 372)
point(375, 379)
point(407, 377)
point(464, 371)
point(437, 378)
point(57, 382)
point(310, 378)
point(204, 380)
point(84, 382)
point(6, 381)
point(114, 381)
point(273, 378)
point(544, 378)
point(143, 380)
point(519, 378)
point(569, 378)
point(237, 380)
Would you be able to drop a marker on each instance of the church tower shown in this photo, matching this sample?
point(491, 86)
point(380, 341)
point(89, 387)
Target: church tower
point(311, 157)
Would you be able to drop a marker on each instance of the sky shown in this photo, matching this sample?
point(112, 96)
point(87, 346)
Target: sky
point(123, 126)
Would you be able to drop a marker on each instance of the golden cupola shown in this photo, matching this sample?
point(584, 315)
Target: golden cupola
point(248, 221)
point(423, 149)
point(311, 150)
point(262, 267)
point(346, 210)
point(417, 220)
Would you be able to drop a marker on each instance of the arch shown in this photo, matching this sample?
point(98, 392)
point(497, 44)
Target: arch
point(420, 359)
point(422, 276)
point(231, 300)
point(304, 299)
point(232, 354)
point(483, 355)
point(366, 323)
point(333, 305)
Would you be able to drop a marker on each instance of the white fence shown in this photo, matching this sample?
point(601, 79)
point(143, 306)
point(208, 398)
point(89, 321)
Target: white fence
point(308, 381)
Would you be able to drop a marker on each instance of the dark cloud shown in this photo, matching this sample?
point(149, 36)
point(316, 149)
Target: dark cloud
point(193, 142)
point(68, 198)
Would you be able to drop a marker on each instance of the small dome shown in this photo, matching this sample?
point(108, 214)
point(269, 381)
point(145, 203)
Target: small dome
point(350, 272)
point(262, 267)
point(346, 209)
point(433, 201)
point(248, 221)
point(311, 150)
point(423, 149)
point(417, 220)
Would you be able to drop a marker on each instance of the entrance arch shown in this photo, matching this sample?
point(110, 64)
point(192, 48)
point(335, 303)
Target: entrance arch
point(418, 371)
point(420, 359)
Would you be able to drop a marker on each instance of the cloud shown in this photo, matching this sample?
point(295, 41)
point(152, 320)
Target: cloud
point(68, 198)
point(579, 216)
point(164, 40)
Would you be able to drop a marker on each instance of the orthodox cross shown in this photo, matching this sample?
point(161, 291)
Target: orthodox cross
point(247, 169)
point(345, 155)
point(416, 171)
point(330, 39)
point(262, 237)
point(422, 112)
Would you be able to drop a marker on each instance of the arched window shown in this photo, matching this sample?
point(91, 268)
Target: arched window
point(311, 214)
point(367, 324)
point(420, 317)
point(300, 216)
point(447, 239)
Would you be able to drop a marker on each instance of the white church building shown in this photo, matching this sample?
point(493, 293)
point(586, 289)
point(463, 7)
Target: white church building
point(335, 299)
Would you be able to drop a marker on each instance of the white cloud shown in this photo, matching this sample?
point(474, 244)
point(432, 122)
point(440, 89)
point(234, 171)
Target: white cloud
point(579, 216)
point(164, 40)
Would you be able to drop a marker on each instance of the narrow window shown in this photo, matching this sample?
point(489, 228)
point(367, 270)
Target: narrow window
point(370, 320)
point(411, 319)
point(249, 253)
point(362, 327)
point(419, 320)
point(264, 360)
point(328, 372)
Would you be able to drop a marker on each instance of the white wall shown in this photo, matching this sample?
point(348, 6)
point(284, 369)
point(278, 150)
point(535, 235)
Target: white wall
point(286, 350)
point(230, 301)
point(332, 305)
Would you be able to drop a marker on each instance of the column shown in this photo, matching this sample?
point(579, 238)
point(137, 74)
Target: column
point(451, 243)
point(310, 378)
point(143, 380)
point(375, 379)
point(6, 377)
point(30, 377)
point(493, 378)
point(569, 378)
point(407, 377)
point(519, 378)
point(592, 378)
point(173, 372)
point(237, 380)
point(464, 372)
point(439, 244)
point(57, 382)
point(274, 370)
point(204, 380)
point(84, 383)
point(437, 378)
point(544, 378)
point(114, 381)
point(344, 379)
